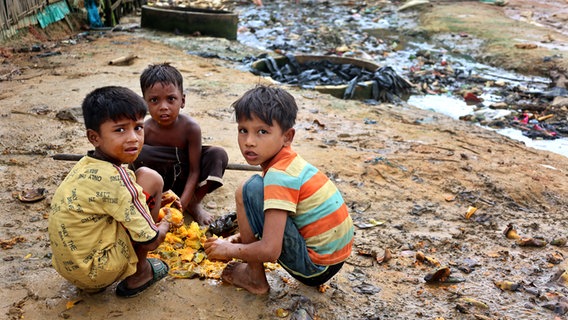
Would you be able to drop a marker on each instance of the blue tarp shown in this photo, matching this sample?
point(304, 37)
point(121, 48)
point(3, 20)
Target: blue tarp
point(52, 13)
point(93, 14)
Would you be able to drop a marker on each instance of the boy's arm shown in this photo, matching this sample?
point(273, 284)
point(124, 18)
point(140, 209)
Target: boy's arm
point(163, 228)
point(194, 148)
point(267, 249)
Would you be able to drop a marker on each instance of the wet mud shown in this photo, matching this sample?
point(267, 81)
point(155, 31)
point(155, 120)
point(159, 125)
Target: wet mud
point(452, 220)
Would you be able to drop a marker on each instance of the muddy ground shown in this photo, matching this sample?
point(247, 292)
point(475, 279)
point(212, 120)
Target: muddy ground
point(411, 174)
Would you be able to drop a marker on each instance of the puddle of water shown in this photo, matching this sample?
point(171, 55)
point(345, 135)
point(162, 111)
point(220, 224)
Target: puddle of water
point(456, 108)
point(447, 105)
point(559, 146)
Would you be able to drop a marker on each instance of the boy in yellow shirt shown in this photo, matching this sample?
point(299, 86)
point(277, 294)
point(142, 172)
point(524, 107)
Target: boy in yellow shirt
point(100, 225)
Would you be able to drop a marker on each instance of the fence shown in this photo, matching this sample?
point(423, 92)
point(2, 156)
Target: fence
point(17, 14)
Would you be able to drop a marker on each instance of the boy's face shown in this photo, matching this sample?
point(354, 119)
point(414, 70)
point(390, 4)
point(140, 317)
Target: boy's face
point(259, 142)
point(119, 142)
point(164, 102)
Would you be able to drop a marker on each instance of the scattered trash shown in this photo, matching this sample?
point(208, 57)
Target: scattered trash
point(224, 226)
point(560, 242)
point(70, 304)
point(470, 211)
point(282, 313)
point(554, 257)
point(32, 195)
point(387, 255)
point(525, 46)
point(49, 54)
point(366, 288)
point(413, 3)
point(472, 99)
point(474, 302)
point(511, 233)
point(71, 114)
point(507, 285)
point(123, 61)
point(9, 244)
point(313, 72)
point(441, 275)
point(369, 223)
point(422, 258)
point(531, 242)
point(304, 309)
point(468, 265)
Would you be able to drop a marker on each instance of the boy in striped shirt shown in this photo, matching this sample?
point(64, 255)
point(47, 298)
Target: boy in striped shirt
point(292, 214)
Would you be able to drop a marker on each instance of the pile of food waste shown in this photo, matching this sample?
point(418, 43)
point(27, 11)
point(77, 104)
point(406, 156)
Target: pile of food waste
point(183, 249)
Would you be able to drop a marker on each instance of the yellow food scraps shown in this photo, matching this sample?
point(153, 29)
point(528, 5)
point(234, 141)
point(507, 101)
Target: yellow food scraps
point(282, 313)
point(175, 215)
point(182, 248)
point(72, 303)
point(8, 244)
point(183, 251)
point(322, 288)
point(470, 212)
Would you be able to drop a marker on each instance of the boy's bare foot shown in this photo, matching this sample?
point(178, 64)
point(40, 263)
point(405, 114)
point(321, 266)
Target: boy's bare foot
point(235, 238)
point(239, 275)
point(199, 215)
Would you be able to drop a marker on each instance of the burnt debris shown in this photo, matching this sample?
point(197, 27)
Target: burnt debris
point(386, 84)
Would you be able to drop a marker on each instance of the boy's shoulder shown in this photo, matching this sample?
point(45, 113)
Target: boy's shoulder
point(183, 121)
point(186, 118)
point(188, 124)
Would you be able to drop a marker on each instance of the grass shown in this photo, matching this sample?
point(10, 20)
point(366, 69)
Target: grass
point(500, 34)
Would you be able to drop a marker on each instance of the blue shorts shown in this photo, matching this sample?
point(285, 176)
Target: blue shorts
point(294, 257)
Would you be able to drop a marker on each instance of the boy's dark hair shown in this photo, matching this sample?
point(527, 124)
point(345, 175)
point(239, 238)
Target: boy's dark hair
point(112, 103)
point(163, 73)
point(268, 104)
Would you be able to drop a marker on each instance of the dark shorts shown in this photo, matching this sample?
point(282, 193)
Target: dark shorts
point(294, 257)
point(173, 165)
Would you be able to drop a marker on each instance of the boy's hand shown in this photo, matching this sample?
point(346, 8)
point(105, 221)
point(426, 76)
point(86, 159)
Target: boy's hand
point(235, 238)
point(177, 204)
point(173, 216)
point(169, 198)
point(217, 249)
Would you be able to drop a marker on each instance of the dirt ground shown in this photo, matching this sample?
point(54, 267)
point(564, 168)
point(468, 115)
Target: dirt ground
point(409, 177)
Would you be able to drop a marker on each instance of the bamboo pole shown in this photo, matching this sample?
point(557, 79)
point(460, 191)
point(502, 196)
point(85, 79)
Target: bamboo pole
point(230, 166)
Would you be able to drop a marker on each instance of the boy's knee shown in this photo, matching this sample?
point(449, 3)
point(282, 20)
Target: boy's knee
point(150, 180)
point(252, 189)
point(222, 155)
point(239, 192)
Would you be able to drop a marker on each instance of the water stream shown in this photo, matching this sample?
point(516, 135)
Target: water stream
point(455, 108)
point(286, 27)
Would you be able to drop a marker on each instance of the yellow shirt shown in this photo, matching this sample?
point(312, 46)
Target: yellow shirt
point(95, 212)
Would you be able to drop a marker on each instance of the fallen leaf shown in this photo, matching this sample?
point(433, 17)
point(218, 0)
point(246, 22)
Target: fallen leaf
point(72, 303)
point(525, 46)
